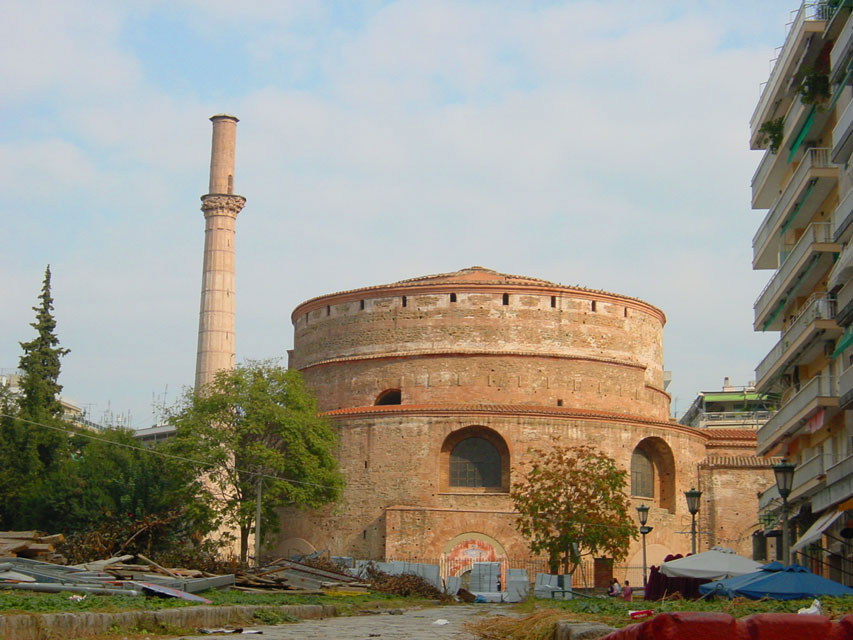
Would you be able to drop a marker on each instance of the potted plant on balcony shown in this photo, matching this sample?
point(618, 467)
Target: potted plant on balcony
point(772, 133)
point(814, 88)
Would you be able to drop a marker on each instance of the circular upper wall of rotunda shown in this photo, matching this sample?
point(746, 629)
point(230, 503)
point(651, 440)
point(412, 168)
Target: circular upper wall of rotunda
point(476, 336)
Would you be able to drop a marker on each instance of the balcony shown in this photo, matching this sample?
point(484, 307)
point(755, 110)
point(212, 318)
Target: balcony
point(817, 393)
point(805, 266)
point(842, 136)
point(797, 49)
point(808, 477)
point(731, 419)
point(842, 270)
point(845, 389)
point(808, 187)
point(842, 219)
point(801, 340)
point(839, 485)
point(769, 497)
point(839, 57)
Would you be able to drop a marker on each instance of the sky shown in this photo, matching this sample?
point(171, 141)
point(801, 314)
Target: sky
point(601, 144)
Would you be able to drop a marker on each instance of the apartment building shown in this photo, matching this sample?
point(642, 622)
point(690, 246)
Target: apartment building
point(730, 407)
point(803, 122)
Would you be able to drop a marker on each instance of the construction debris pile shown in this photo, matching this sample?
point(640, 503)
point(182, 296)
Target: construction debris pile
point(406, 584)
point(287, 574)
point(30, 544)
point(107, 577)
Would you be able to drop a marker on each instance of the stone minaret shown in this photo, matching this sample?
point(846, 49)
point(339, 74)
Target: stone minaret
point(220, 207)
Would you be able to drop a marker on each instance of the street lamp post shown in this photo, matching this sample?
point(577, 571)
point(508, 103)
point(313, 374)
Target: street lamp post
point(693, 507)
point(784, 472)
point(643, 513)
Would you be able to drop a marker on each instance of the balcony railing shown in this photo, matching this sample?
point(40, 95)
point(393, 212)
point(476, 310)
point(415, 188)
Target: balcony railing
point(818, 307)
point(816, 158)
point(716, 419)
point(845, 384)
point(809, 11)
point(840, 470)
point(817, 233)
point(843, 216)
point(840, 50)
point(783, 423)
point(842, 140)
point(842, 270)
point(769, 496)
point(839, 485)
point(808, 470)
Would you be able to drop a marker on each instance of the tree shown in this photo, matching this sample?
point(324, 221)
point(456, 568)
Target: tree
point(40, 362)
point(258, 424)
point(32, 443)
point(572, 503)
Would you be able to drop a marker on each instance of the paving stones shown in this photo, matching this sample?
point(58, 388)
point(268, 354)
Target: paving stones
point(412, 624)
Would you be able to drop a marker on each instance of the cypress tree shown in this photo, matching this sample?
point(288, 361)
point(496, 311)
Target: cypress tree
point(40, 362)
point(32, 450)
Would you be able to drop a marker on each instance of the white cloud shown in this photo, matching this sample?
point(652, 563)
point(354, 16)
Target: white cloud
point(601, 144)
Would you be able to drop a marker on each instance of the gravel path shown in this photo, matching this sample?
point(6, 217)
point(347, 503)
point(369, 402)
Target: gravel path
point(410, 624)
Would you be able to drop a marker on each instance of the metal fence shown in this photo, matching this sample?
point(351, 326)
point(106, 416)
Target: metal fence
point(582, 578)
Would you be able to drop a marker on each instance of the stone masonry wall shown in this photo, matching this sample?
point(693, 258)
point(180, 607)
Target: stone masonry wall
point(394, 461)
point(447, 379)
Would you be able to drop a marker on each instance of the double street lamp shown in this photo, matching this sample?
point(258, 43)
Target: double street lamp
point(693, 507)
point(643, 514)
point(784, 472)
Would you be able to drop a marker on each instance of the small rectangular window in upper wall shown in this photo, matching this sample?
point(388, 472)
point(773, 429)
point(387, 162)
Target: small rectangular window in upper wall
point(592, 306)
point(553, 302)
point(404, 301)
point(453, 297)
point(362, 305)
point(506, 298)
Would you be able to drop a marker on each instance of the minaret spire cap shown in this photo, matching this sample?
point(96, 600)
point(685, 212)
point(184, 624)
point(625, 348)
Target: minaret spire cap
point(225, 116)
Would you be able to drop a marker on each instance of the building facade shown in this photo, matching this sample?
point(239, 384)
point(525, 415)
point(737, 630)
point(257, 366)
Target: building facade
point(440, 386)
point(729, 408)
point(803, 123)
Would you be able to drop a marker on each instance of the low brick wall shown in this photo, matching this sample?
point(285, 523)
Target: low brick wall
point(54, 626)
point(720, 626)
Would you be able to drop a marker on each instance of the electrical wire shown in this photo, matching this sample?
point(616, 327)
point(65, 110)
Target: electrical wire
point(197, 463)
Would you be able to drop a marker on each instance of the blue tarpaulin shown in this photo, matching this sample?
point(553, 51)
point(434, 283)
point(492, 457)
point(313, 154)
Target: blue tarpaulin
point(777, 582)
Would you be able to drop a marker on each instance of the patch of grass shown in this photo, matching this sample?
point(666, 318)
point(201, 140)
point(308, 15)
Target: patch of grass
point(32, 602)
point(273, 616)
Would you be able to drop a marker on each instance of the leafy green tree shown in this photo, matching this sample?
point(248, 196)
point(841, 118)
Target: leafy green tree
point(32, 443)
point(149, 502)
point(257, 423)
point(572, 503)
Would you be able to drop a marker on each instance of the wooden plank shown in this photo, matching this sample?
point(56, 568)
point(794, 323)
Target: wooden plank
point(156, 566)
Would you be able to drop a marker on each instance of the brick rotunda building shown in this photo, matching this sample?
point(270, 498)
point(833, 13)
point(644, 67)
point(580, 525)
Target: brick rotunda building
point(439, 386)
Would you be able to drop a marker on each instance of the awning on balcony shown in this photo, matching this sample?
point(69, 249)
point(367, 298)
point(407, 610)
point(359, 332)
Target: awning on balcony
point(845, 341)
point(732, 396)
point(814, 532)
